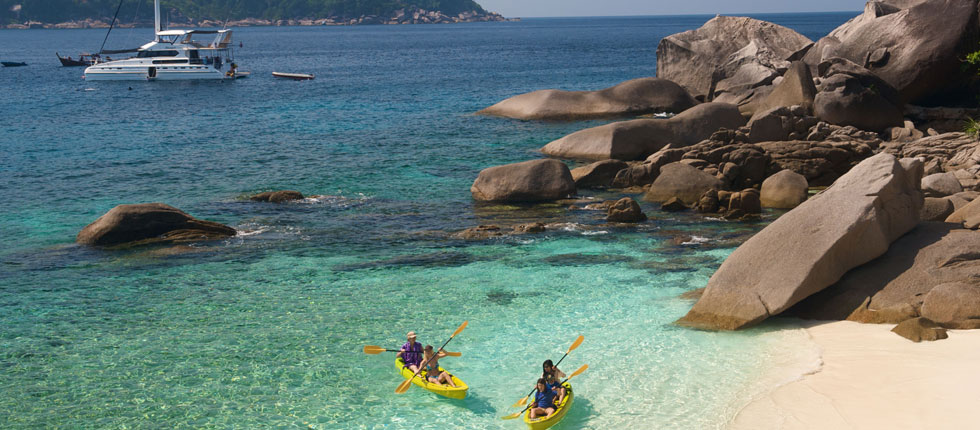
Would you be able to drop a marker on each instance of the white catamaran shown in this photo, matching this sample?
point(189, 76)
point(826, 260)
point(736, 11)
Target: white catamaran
point(171, 56)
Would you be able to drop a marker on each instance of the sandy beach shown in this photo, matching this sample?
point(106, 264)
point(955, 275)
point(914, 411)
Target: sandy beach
point(872, 378)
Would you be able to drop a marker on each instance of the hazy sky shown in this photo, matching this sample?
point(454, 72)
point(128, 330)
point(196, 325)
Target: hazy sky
point(529, 8)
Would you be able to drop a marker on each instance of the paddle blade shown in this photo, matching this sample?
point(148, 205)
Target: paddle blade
point(512, 416)
point(576, 343)
point(521, 402)
point(578, 372)
point(373, 349)
point(454, 354)
point(461, 327)
point(404, 387)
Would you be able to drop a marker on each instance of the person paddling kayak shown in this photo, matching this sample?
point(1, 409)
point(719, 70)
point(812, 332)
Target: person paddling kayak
point(431, 365)
point(411, 353)
point(552, 379)
point(544, 401)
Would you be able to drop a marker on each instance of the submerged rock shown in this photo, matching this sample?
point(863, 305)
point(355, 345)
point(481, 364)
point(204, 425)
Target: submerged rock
point(625, 210)
point(277, 196)
point(637, 96)
point(812, 246)
point(147, 223)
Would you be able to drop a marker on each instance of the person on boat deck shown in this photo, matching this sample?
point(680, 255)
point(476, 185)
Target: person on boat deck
point(552, 378)
point(431, 366)
point(411, 353)
point(544, 401)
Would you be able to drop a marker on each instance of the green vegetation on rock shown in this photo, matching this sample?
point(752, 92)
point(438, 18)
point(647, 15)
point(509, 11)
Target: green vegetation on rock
point(54, 11)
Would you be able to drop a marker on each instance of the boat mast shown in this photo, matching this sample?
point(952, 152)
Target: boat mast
point(156, 19)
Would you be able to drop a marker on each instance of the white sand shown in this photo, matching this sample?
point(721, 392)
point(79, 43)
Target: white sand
point(872, 378)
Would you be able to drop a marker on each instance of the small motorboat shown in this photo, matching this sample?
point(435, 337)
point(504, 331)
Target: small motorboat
point(294, 76)
point(83, 60)
point(12, 64)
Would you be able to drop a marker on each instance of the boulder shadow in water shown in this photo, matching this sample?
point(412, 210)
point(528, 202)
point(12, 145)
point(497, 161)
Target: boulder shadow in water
point(586, 259)
point(433, 259)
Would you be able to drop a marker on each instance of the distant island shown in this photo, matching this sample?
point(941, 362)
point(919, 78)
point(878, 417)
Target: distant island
point(216, 13)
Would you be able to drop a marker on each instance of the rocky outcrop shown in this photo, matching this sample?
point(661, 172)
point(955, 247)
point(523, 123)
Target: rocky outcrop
point(597, 175)
point(637, 96)
point(916, 47)
point(941, 185)
point(968, 215)
point(851, 95)
point(784, 190)
point(636, 139)
point(625, 210)
point(277, 196)
point(936, 209)
point(811, 247)
point(681, 181)
point(947, 152)
point(821, 163)
point(149, 223)
point(932, 254)
point(732, 55)
point(953, 305)
point(920, 329)
point(529, 181)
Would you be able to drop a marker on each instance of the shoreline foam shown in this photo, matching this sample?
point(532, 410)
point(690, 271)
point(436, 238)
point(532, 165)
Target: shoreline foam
point(872, 378)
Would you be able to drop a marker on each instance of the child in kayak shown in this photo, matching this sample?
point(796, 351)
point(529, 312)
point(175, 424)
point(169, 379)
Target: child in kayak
point(544, 401)
point(411, 353)
point(431, 366)
point(552, 379)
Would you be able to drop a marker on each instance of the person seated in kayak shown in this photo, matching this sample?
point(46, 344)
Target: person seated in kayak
point(431, 366)
point(552, 379)
point(411, 353)
point(544, 401)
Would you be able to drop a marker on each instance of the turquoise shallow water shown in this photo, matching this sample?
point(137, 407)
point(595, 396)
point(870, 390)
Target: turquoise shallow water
point(265, 329)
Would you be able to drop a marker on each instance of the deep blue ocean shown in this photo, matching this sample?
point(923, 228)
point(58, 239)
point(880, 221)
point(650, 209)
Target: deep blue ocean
point(266, 329)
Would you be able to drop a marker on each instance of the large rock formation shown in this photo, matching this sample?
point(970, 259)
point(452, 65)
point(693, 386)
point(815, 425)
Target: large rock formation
point(728, 55)
point(637, 96)
point(953, 305)
point(916, 46)
point(529, 181)
point(811, 247)
point(932, 254)
point(636, 139)
point(681, 181)
point(852, 95)
point(147, 223)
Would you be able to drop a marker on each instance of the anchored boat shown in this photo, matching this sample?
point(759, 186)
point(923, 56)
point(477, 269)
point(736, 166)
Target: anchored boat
point(294, 76)
point(173, 55)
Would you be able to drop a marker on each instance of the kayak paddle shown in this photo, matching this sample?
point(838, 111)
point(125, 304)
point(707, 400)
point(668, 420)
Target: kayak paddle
point(374, 349)
point(575, 344)
point(577, 372)
point(404, 386)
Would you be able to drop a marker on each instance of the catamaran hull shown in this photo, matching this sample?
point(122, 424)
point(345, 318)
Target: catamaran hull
point(143, 74)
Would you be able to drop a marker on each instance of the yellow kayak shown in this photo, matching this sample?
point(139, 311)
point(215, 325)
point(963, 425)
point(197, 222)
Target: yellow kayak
point(443, 390)
point(543, 423)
